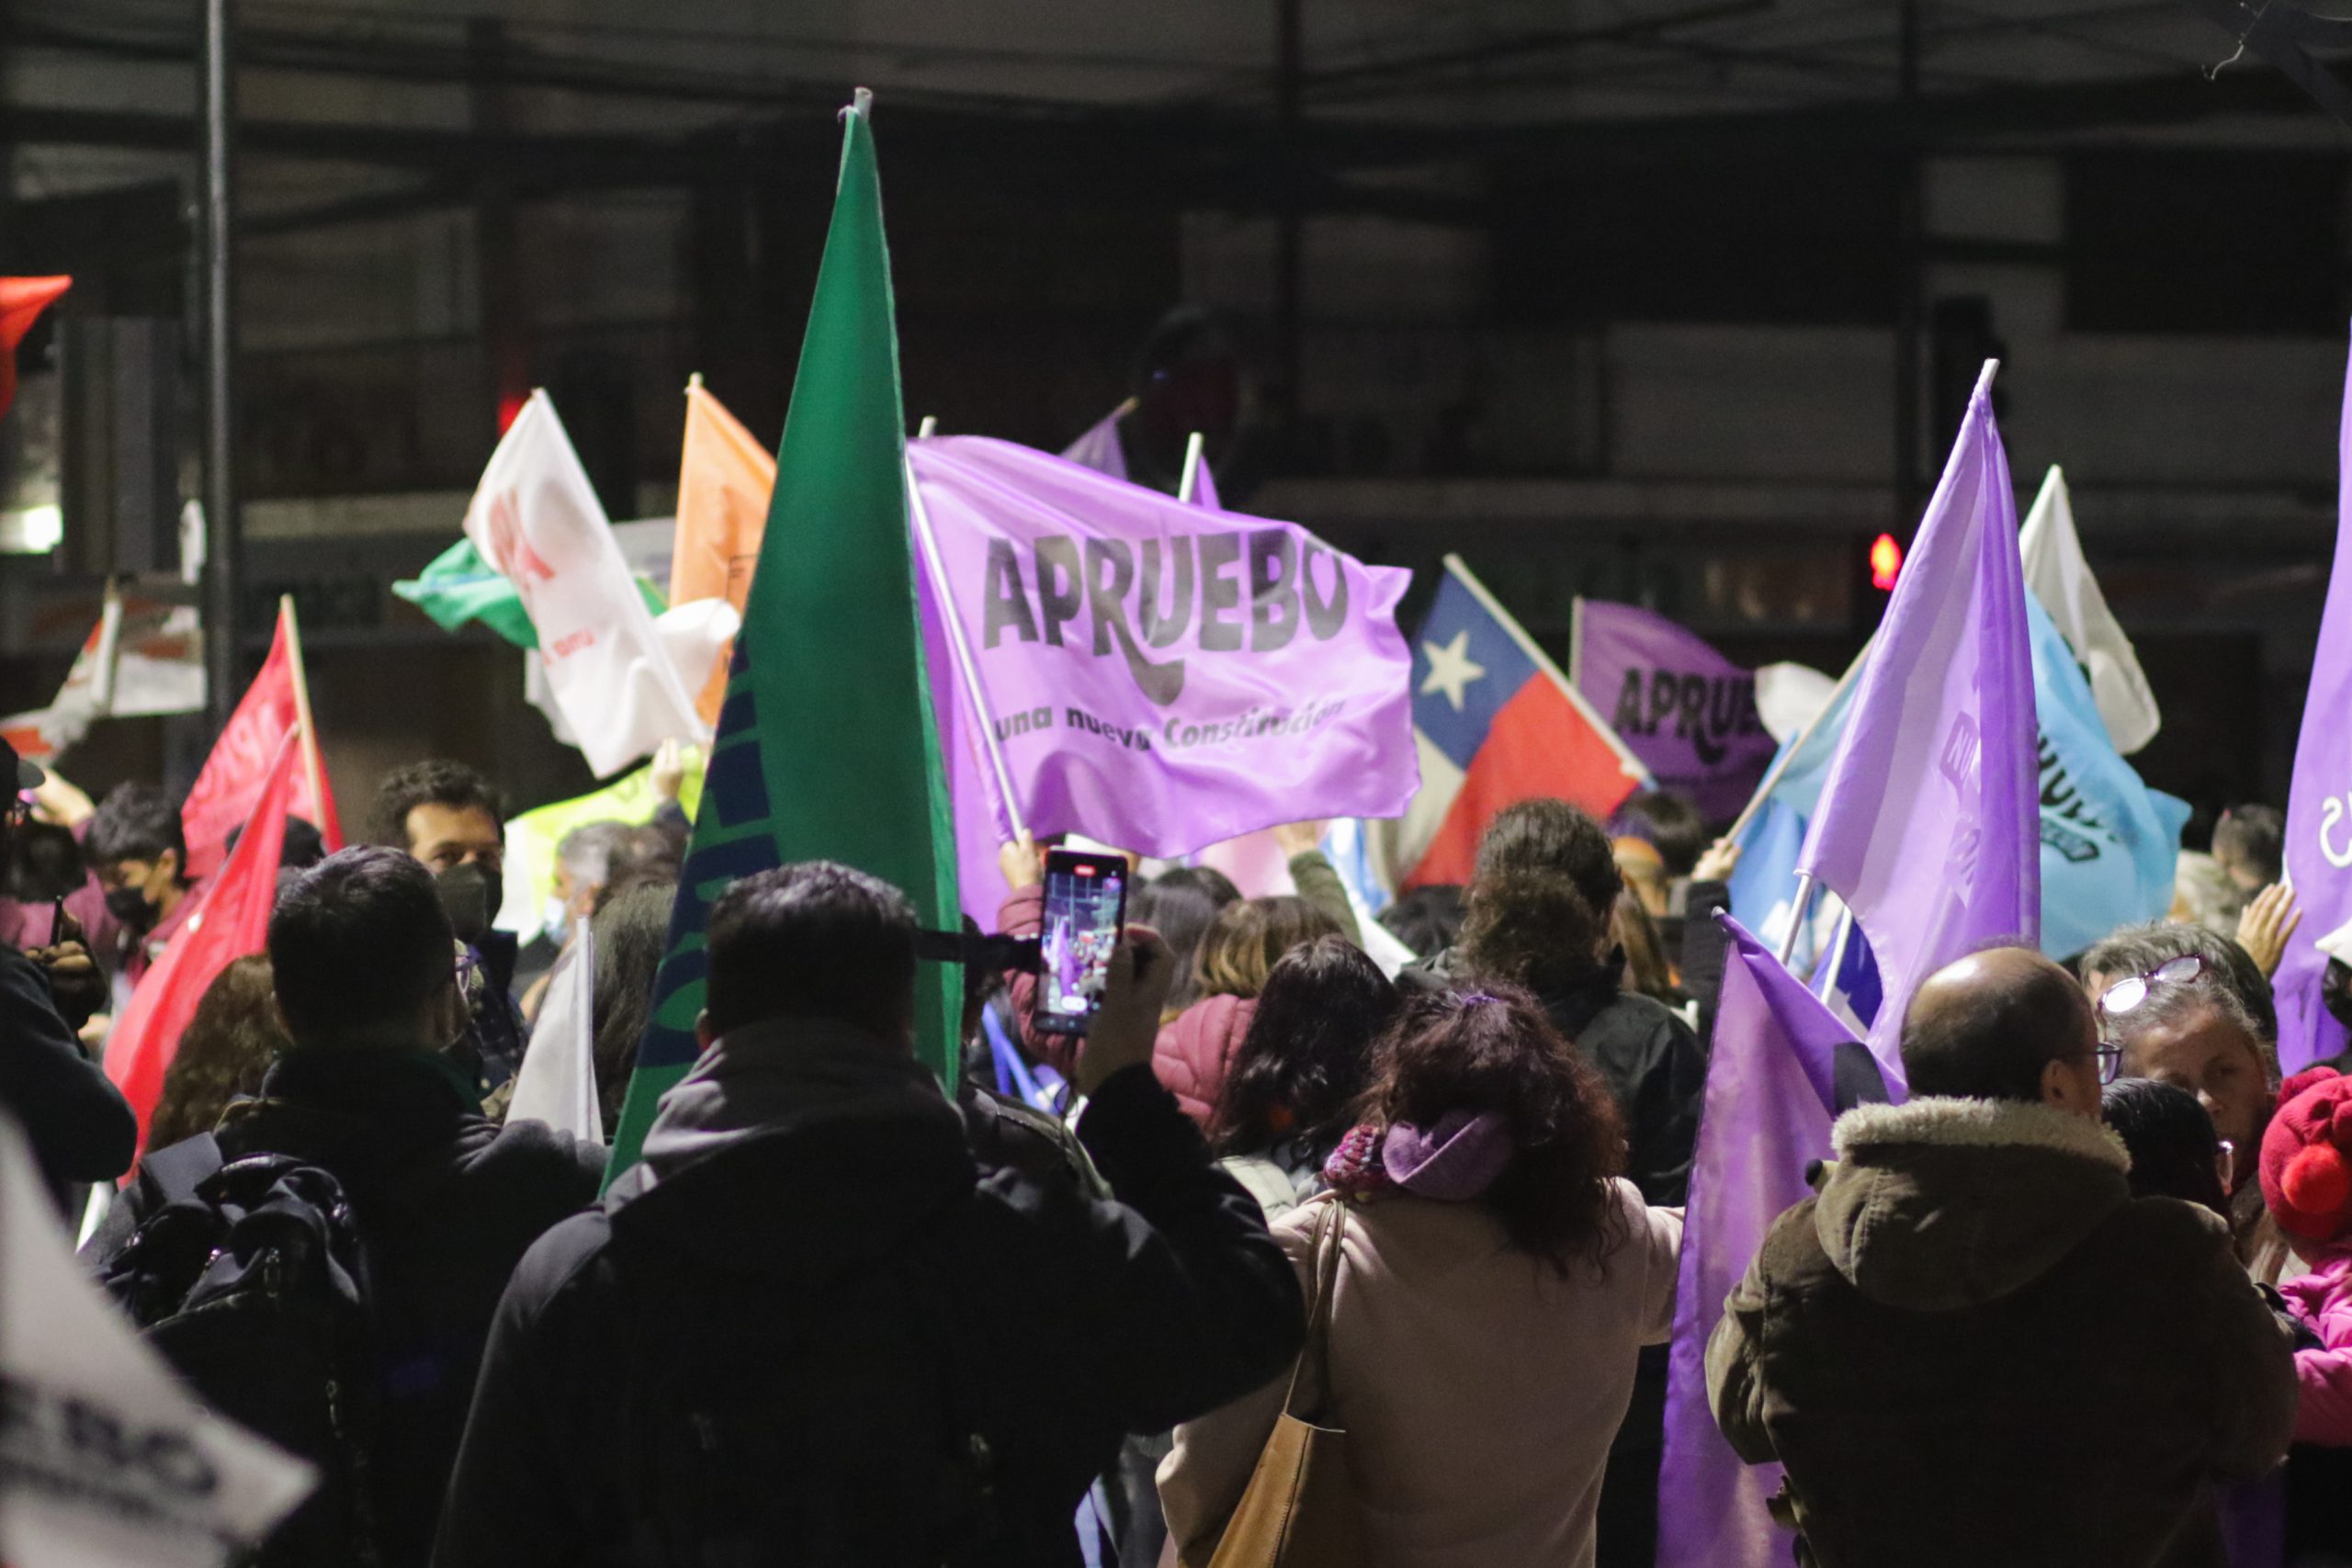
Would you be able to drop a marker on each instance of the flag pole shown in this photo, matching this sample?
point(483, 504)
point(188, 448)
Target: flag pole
point(1191, 483)
point(1788, 754)
point(1797, 917)
point(311, 766)
point(927, 428)
point(962, 649)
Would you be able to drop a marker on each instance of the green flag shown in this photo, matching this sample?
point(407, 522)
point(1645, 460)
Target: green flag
point(458, 586)
point(826, 748)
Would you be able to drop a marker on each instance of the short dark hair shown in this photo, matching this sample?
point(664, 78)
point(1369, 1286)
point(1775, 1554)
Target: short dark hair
point(357, 942)
point(303, 848)
point(434, 781)
point(1425, 919)
point(135, 821)
point(2254, 835)
point(1181, 904)
point(814, 940)
point(2174, 1151)
point(1993, 1040)
point(1670, 822)
point(2142, 949)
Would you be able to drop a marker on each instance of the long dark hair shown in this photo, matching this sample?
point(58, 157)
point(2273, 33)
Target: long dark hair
point(1309, 1049)
point(1540, 899)
point(223, 1053)
point(1496, 1050)
point(632, 931)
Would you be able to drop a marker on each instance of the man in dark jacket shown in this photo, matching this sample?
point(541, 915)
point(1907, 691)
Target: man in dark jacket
point(364, 965)
point(78, 1123)
point(1975, 1346)
point(806, 1328)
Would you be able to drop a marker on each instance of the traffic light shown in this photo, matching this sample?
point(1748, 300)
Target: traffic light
point(1886, 562)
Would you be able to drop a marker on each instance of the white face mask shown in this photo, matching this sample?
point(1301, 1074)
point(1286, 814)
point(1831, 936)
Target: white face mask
point(555, 919)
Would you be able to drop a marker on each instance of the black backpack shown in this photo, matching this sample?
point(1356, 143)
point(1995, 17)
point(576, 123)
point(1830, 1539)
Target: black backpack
point(253, 1282)
point(848, 1427)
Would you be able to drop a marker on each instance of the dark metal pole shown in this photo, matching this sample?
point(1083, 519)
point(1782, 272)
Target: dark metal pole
point(222, 530)
point(1289, 74)
point(1910, 251)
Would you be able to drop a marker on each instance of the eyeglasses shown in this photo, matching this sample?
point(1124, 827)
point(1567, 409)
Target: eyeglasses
point(2129, 992)
point(2110, 1060)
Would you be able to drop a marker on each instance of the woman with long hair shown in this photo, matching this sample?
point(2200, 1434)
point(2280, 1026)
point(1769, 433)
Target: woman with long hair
point(1496, 1280)
point(1299, 1068)
point(223, 1053)
point(1238, 952)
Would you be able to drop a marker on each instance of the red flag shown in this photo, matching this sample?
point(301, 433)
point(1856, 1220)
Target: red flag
point(224, 793)
point(22, 300)
point(230, 920)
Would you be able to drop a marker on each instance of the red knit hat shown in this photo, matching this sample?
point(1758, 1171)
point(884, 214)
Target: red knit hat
point(2307, 1157)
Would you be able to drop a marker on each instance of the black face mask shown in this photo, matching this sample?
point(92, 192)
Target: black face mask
point(465, 900)
point(129, 906)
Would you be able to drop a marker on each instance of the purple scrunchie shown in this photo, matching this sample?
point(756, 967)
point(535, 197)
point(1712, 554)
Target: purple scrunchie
point(1453, 1162)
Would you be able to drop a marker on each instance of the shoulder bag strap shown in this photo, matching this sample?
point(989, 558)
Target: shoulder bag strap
point(1330, 1231)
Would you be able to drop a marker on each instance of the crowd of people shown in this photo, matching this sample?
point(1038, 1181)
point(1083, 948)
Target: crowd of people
point(2083, 1298)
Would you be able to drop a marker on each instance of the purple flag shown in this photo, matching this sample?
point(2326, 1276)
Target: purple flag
point(2319, 806)
point(1158, 676)
point(1684, 709)
point(1929, 822)
point(1772, 1094)
point(1099, 448)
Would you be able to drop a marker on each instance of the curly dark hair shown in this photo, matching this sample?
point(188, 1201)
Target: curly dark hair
point(1540, 899)
point(1300, 1067)
point(437, 781)
point(1496, 1050)
point(1244, 941)
point(223, 1053)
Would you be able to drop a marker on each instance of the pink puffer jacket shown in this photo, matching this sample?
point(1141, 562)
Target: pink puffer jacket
point(1196, 1046)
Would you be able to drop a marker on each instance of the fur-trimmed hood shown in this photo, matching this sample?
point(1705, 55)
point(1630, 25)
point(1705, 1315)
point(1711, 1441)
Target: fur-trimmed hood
point(1944, 1204)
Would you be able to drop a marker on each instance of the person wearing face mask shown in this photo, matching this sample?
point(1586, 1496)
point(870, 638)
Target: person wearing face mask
point(450, 819)
point(134, 847)
point(362, 969)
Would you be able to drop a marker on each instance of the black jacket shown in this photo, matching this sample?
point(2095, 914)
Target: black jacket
point(80, 1126)
point(765, 1243)
point(1643, 1050)
point(445, 1204)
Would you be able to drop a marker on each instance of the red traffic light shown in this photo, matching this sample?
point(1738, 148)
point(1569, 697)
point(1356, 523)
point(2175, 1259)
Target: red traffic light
point(1887, 561)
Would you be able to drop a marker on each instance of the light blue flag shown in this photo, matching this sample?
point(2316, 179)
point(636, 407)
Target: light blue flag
point(2108, 842)
point(1764, 885)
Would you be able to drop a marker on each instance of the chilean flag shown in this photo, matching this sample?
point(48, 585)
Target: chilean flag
point(1496, 723)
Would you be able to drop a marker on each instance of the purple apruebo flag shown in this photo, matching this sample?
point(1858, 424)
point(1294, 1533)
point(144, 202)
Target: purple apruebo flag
point(1772, 1096)
point(2319, 807)
point(1684, 709)
point(1158, 676)
point(1929, 822)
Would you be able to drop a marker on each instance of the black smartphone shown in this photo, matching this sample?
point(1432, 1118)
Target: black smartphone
point(1086, 908)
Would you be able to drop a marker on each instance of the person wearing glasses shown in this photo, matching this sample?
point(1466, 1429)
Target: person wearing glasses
point(2188, 1007)
point(1974, 1345)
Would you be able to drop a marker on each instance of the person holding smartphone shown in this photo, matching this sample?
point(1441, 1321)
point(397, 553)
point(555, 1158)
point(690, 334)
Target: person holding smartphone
point(802, 1302)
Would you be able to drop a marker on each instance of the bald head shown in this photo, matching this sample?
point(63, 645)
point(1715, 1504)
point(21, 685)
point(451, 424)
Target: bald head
point(1989, 1026)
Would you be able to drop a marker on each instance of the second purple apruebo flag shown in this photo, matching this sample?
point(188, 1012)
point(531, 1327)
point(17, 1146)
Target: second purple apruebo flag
point(1930, 823)
point(1772, 1096)
point(2319, 807)
point(1684, 709)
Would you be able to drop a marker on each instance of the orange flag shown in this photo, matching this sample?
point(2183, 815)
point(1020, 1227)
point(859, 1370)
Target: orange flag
point(223, 794)
point(230, 920)
point(22, 300)
point(725, 478)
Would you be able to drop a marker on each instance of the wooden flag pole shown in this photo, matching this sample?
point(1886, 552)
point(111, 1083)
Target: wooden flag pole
point(1193, 458)
point(962, 651)
point(310, 763)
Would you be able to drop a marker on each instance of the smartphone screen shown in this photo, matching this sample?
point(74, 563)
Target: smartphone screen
point(1086, 903)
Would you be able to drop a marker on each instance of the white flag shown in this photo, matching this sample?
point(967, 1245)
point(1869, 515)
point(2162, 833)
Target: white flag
point(557, 1083)
point(535, 520)
point(143, 656)
point(2056, 573)
point(106, 1461)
